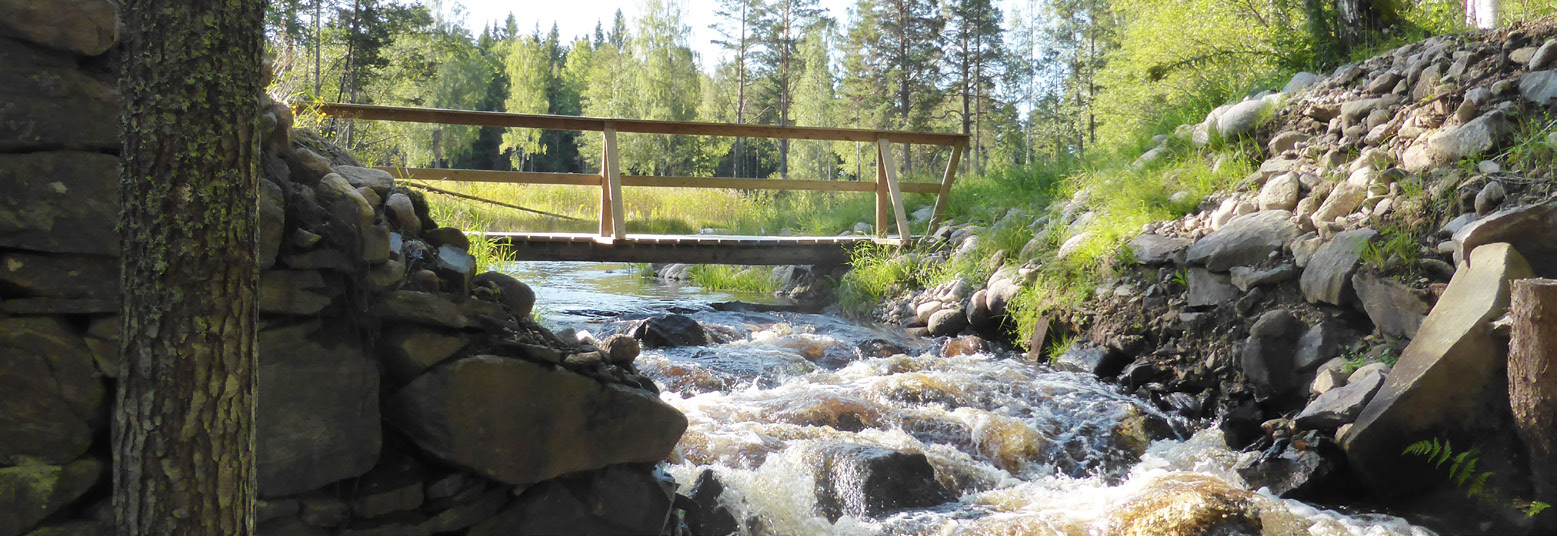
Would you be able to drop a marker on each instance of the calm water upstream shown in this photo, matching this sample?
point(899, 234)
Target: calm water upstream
point(1026, 450)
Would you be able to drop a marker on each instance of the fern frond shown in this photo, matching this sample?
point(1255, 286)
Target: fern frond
point(1465, 471)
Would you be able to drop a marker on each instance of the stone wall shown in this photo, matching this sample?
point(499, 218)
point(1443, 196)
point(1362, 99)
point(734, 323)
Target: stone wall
point(400, 392)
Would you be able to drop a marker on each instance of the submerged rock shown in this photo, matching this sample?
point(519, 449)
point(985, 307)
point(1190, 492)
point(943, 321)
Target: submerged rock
point(1186, 504)
point(866, 481)
point(670, 331)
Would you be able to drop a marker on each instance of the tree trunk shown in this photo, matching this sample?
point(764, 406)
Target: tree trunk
point(1532, 378)
point(183, 438)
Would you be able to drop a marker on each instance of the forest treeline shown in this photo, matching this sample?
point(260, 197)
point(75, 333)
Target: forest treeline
point(1051, 80)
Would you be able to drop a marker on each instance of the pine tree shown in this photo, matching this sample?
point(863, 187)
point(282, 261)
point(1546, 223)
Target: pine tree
point(779, 28)
point(976, 56)
point(737, 30)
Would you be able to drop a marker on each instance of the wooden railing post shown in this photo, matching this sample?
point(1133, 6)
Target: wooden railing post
point(881, 192)
point(903, 231)
point(612, 214)
point(944, 196)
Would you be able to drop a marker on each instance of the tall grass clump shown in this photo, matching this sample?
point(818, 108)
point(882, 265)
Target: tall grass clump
point(878, 272)
point(749, 279)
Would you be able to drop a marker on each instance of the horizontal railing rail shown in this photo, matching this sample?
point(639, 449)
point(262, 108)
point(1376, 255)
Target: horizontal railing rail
point(888, 189)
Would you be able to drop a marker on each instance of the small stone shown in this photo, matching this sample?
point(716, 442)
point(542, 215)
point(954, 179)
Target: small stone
point(1490, 198)
point(620, 350)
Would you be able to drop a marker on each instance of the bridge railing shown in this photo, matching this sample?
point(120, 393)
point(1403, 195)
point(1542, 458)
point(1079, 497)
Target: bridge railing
point(888, 189)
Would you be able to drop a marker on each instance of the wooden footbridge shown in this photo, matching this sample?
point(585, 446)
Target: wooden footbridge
point(612, 243)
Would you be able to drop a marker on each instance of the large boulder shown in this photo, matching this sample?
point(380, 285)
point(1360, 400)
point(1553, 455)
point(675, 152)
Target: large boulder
point(60, 201)
point(519, 422)
point(1328, 276)
point(408, 350)
point(294, 292)
point(1396, 309)
point(670, 331)
point(1280, 192)
point(46, 101)
point(31, 493)
point(616, 501)
point(1448, 379)
point(50, 395)
point(866, 481)
point(59, 275)
point(318, 415)
point(1456, 143)
point(1244, 241)
point(1528, 228)
point(87, 27)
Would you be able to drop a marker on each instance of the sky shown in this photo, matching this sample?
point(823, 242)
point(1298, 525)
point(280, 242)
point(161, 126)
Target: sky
point(578, 17)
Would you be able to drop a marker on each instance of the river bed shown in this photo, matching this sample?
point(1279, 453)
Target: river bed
point(1023, 449)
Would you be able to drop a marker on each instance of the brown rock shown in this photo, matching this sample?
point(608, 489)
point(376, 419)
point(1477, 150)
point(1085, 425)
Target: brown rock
point(50, 393)
point(60, 201)
point(87, 27)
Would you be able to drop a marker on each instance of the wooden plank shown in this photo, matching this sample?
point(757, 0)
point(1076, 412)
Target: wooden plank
point(943, 196)
point(637, 126)
point(644, 181)
point(903, 230)
point(612, 183)
point(881, 193)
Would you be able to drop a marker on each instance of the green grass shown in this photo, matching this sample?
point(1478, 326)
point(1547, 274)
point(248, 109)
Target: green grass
point(1395, 247)
point(752, 279)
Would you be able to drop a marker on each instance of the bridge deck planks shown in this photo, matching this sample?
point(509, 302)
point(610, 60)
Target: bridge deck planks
point(694, 249)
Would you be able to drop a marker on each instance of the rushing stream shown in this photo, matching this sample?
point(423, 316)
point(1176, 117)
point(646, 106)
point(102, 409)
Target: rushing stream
point(1024, 449)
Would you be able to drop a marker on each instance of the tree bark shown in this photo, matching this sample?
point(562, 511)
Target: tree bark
point(183, 438)
point(1532, 378)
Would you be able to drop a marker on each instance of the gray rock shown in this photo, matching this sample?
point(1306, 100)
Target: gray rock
point(462, 413)
point(1544, 57)
point(272, 222)
point(1246, 278)
point(377, 244)
point(620, 349)
point(668, 331)
point(294, 292)
point(1490, 198)
point(1328, 276)
point(423, 308)
point(1326, 379)
point(1383, 83)
point(1242, 118)
point(318, 417)
point(1341, 405)
point(1300, 82)
point(59, 275)
point(865, 481)
point(1293, 473)
point(1207, 289)
point(1244, 241)
point(1280, 192)
point(87, 27)
point(48, 102)
point(619, 500)
point(31, 493)
point(514, 294)
point(1446, 377)
point(1396, 310)
point(407, 351)
point(403, 213)
point(1095, 360)
point(50, 393)
point(1456, 224)
point(1151, 248)
point(1342, 201)
point(60, 201)
point(380, 181)
point(1454, 144)
point(1319, 344)
point(944, 322)
point(1529, 228)
point(1267, 356)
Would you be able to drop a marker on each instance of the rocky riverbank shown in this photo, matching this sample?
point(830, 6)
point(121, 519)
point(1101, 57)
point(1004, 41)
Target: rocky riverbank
point(1342, 302)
